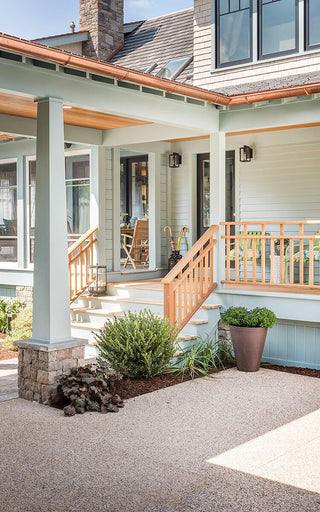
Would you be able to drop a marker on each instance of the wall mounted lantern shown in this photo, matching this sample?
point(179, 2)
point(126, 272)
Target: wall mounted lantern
point(246, 154)
point(175, 160)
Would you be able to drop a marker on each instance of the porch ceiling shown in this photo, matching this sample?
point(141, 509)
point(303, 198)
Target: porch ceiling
point(23, 106)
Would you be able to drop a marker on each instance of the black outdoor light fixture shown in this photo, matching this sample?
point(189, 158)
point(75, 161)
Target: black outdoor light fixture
point(175, 160)
point(246, 154)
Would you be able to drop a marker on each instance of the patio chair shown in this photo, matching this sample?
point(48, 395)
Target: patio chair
point(139, 246)
point(249, 247)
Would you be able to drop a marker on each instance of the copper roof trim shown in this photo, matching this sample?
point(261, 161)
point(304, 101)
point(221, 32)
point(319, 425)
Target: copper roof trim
point(65, 58)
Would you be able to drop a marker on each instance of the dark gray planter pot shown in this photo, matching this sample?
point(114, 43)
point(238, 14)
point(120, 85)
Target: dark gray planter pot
point(248, 344)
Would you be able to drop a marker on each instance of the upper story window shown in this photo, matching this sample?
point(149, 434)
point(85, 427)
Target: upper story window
point(234, 32)
point(253, 30)
point(278, 27)
point(312, 14)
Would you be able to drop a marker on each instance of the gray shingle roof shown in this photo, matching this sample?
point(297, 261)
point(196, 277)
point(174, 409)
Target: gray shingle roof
point(158, 40)
point(272, 84)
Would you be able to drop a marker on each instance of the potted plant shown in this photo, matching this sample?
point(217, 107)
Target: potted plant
point(248, 333)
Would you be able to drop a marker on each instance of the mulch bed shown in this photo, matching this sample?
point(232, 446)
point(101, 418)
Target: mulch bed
point(308, 372)
point(5, 352)
point(129, 388)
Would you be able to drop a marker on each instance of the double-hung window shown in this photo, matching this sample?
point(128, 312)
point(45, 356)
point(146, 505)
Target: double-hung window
point(234, 32)
point(278, 27)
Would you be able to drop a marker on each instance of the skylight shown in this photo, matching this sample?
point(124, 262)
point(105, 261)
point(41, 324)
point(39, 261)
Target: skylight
point(172, 67)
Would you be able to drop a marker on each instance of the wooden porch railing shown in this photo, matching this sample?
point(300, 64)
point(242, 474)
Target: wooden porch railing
point(273, 255)
point(190, 282)
point(80, 255)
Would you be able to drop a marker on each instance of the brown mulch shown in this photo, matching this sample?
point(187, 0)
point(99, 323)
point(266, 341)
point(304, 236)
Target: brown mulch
point(6, 352)
point(308, 372)
point(129, 388)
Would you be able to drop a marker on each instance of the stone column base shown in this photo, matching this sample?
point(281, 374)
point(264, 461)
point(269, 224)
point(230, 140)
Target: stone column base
point(41, 365)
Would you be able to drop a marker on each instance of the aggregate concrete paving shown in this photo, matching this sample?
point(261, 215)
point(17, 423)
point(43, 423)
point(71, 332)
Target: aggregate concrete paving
point(236, 442)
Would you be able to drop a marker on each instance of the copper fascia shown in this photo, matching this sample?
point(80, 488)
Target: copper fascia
point(103, 68)
point(64, 58)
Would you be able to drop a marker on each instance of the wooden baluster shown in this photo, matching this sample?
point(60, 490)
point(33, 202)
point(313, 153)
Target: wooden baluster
point(179, 293)
point(245, 253)
point(196, 284)
point(191, 289)
point(70, 280)
point(311, 267)
point(201, 273)
point(91, 249)
point(75, 277)
point(236, 258)
point(263, 253)
point(212, 263)
point(86, 263)
point(301, 244)
point(282, 254)
point(185, 295)
point(206, 268)
point(291, 249)
point(254, 260)
point(272, 261)
point(228, 251)
point(81, 268)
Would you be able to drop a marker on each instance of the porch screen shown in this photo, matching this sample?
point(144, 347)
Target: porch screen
point(8, 212)
point(77, 171)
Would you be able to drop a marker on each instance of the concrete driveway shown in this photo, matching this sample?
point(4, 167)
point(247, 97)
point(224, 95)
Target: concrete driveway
point(236, 442)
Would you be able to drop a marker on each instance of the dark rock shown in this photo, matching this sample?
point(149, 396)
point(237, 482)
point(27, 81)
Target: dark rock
point(79, 410)
point(112, 408)
point(106, 399)
point(69, 410)
point(104, 409)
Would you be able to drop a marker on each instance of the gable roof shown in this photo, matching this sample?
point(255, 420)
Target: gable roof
point(158, 40)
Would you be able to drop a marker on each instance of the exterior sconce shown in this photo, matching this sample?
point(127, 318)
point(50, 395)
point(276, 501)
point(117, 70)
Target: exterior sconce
point(175, 160)
point(98, 277)
point(246, 154)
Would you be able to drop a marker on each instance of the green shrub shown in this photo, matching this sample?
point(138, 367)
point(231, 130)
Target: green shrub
point(242, 317)
point(201, 357)
point(8, 307)
point(138, 345)
point(21, 327)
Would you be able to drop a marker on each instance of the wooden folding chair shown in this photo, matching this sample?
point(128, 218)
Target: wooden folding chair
point(139, 247)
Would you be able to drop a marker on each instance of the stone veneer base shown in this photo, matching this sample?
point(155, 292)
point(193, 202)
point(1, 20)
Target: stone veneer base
point(41, 365)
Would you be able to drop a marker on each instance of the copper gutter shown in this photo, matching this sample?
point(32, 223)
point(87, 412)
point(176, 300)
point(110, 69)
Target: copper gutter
point(63, 58)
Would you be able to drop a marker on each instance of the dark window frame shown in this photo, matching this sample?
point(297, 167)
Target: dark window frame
point(260, 35)
point(307, 45)
point(127, 162)
point(217, 24)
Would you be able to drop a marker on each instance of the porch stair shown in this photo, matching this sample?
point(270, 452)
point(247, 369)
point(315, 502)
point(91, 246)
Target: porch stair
point(88, 314)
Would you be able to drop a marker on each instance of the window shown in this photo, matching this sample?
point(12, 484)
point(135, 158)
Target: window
point(234, 32)
point(278, 27)
point(77, 172)
point(8, 212)
point(172, 68)
point(312, 13)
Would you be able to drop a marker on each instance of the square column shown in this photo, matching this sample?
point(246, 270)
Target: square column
point(218, 199)
point(51, 306)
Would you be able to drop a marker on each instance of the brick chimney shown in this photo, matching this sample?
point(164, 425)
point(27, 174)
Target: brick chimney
point(104, 19)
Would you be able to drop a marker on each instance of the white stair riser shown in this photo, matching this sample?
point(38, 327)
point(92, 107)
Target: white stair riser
point(110, 307)
point(135, 292)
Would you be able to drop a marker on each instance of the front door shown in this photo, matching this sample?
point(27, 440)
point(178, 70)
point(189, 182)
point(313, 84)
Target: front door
point(203, 190)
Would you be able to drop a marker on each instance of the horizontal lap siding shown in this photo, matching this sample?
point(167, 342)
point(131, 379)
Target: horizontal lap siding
point(108, 208)
point(181, 207)
point(281, 183)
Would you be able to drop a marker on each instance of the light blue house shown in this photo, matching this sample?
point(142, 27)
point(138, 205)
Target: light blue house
point(84, 141)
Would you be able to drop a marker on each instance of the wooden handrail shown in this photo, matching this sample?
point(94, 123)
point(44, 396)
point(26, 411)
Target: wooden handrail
point(253, 260)
point(190, 282)
point(80, 256)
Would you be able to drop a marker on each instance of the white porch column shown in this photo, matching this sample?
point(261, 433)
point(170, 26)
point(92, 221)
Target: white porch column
point(51, 308)
point(154, 211)
point(217, 198)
